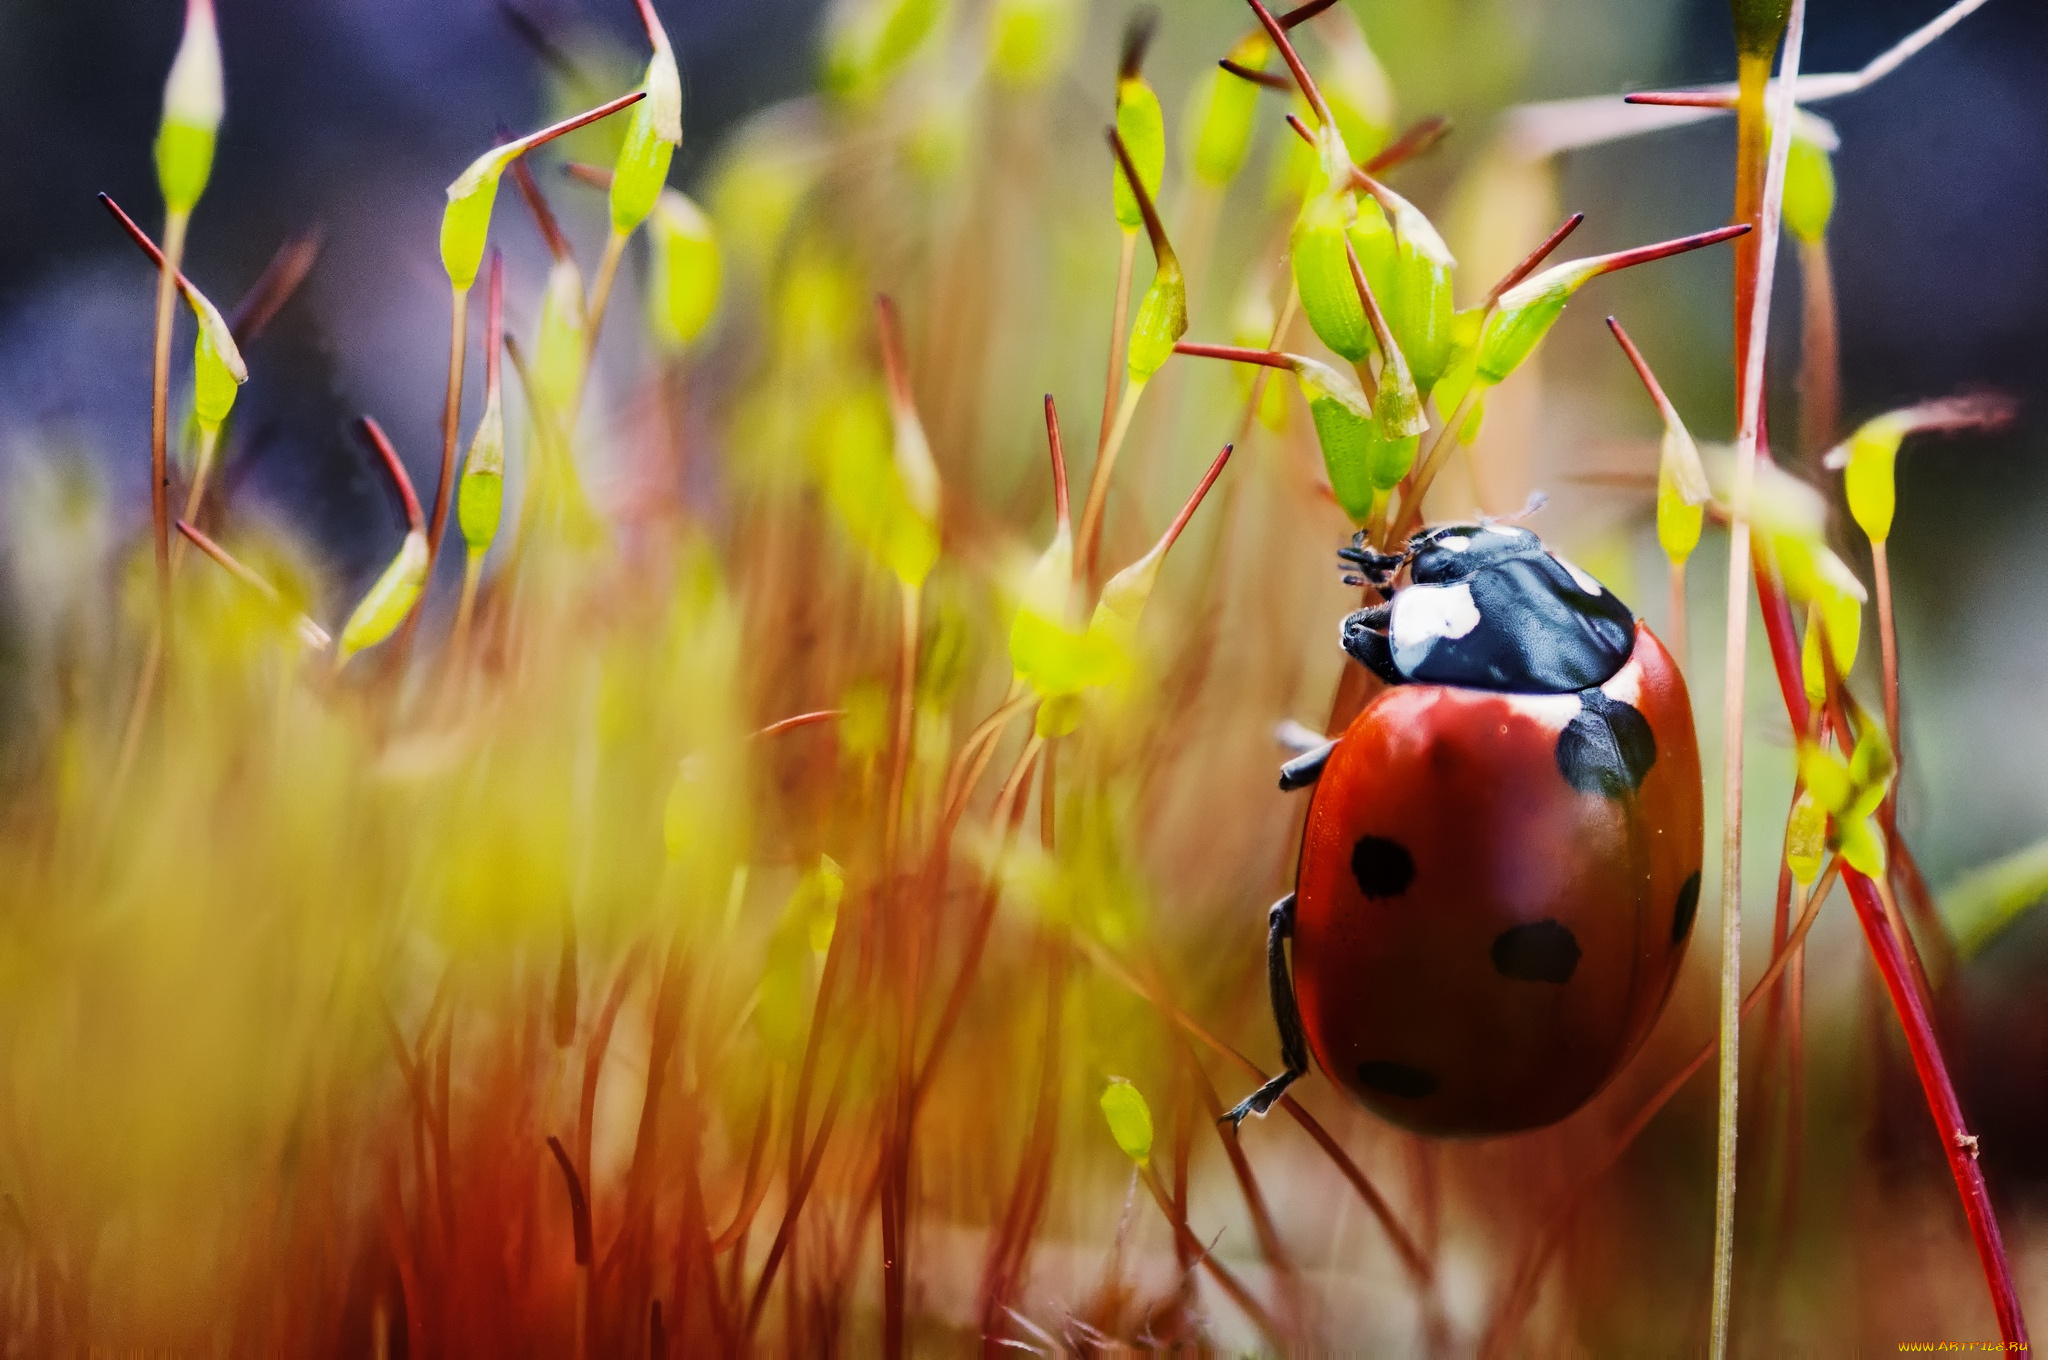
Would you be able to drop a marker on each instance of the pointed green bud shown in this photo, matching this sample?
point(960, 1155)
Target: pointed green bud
point(869, 41)
point(1162, 319)
point(684, 274)
point(217, 368)
point(1809, 188)
point(1221, 114)
point(195, 98)
point(1322, 275)
point(865, 487)
point(1838, 617)
point(481, 499)
point(561, 346)
point(1867, 459)
point(653, 132)
point(1142, 125)
point(1862, 846)
point(1163, 312)
point(1758, 25)
point(389, 600)
point(1028, 40)
point(1526, 312)
point(1124, 596)
point(1679, 521)
point(1826, 776)
point(1054, 658)
point(466, 221)
point(1412, 283)
point(1130, 1119)
point(1806, 838)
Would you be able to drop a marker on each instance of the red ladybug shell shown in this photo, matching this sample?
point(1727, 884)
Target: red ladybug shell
point(1495, 892)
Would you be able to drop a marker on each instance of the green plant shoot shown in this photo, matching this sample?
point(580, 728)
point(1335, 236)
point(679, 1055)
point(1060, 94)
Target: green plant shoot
point(1220, 114)
point(653, 132)
point(389, 600)
point(466, 221)
point(1130, 1119)
point(1527, 311)
point(684, 274)
point(1142, 125)
point(195, 99)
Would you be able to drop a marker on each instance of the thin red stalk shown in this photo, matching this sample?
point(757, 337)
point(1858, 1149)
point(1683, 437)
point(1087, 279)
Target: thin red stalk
point(579, 1203)
point(414, 522)
point(1533, 260)
point(1246, 1301)
point(1293, 60)
point(1381, 332)
point(1155, 226)
point(753, 1185)
point(568, 125)
point(1271, 358)
point(1302, 14)
point(1657, 250)
point(1009, 811)
point(1194, 501)
point(276, 284)
point(1264, 79)
point(1958, 1143)
point(141, 239)
point(1057, 451)
point(1277, 1260)
point(792, 723)
point(1404, 1246)
point(799, 1190)
point(494, 324)
point(593, 1055)
point(1421, 137)
point(543, 216)
point(1685, 99)
point(227, 560)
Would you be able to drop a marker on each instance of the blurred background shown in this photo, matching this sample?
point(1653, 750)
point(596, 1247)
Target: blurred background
point(353, 115)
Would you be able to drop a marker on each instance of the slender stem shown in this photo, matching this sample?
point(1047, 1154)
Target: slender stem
point(601, 291)
point(451, 421)
point(1677, 628)
point(1246, 1301)
point(1119, 321)
point(1432, 462)
point(1520, 1292)
point(176, 222)
point(1820, 364)
point(1752, 329)
point(1888, 642)
point(472, 574)
point(906, 702)
point(1098, 481)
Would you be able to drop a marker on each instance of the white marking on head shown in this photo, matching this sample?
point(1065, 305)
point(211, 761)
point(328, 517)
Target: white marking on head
point(1507, 531)
point(1456, 543)
point(1424, 614)
point(1586, 583)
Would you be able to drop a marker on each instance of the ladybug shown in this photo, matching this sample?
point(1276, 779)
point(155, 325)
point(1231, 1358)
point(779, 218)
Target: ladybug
point(1502, 859)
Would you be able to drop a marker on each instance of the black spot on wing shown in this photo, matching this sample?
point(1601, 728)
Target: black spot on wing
point(1542, 951)
point(1396, 1079)
point(1382, 867)
point(1688, 907)
point(1608, 748)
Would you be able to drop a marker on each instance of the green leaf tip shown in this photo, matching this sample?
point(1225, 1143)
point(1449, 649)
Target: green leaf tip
point(1130, 1119)
point(466, 221)
point(653, 132)
point(195, 100)
point(686, 269)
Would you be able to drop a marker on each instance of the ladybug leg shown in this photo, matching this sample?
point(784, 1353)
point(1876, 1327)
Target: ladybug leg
point(1286, 1014)
point(1306, 768)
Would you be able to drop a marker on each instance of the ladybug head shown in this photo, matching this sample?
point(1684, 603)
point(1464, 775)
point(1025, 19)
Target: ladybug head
point(1485, 606)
